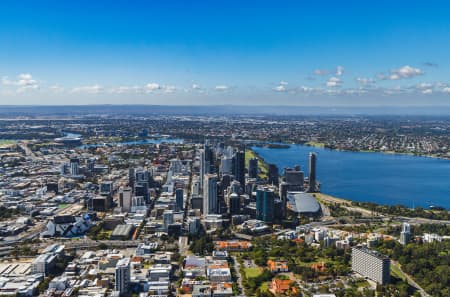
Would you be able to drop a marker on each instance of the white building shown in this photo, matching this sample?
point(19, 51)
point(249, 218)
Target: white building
point(371, 264)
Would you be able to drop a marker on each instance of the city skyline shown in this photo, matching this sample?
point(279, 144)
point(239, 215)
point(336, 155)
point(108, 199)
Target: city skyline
point(176, 53)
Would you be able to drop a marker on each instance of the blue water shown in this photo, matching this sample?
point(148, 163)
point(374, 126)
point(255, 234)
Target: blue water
point(375, 177)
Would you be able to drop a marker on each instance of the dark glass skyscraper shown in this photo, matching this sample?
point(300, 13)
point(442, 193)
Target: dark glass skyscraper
point(253, 168)
point(179, 199)
point(273, 175)
point(239, 167)
point(265, 200)
point(312, 172)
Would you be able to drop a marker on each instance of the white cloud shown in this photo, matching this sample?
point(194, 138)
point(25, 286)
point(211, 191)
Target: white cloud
point(221, 88)
point(56, 89)
point(364, 81)
point(150, 87)
point(404, 72)
point(427, 91)
point(321, 72)
point(283, 83)
point(280, 88)
point(24, 82)
point(339, 70)
point(446, 90)
point(169, 89)
point(333, 82)
point(423, 86)
point(127, 89)
point(93, 89)
point(196, 87)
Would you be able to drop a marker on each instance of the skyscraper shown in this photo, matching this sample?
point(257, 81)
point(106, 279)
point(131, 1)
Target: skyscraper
point(265, 199)
point(210, 201)
point(239, 167)
point(167, 218)
point(312, 172)
point(225, 165)
point(179, 199)
point(294, 179)
point(122, 276)
point(125, 199)
point(234, 204)
point(273, 175)
point(206, 160)
point(74, 165)
point(405, 235)
point(253, 168)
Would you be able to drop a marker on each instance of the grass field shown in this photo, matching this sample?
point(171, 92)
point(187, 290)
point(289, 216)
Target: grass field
point(252, 272)
point(265, 287)
point(6, 143)
point(315, 144)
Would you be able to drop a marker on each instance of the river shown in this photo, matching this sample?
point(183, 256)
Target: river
point(376, 177)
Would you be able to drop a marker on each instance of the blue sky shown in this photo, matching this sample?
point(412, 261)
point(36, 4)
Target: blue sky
point(225, 52)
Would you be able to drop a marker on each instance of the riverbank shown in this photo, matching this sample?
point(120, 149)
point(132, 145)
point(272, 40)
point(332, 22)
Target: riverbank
point(324, 146)
point(370, 209)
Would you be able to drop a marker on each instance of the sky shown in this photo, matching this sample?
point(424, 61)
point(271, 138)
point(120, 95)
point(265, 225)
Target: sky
point(311, 53)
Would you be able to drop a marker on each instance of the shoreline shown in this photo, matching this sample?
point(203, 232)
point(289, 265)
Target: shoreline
point(323, 146)
point(339, 199)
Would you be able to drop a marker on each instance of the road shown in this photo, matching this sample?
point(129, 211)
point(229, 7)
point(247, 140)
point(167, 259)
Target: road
point(237, 268)
point(410, 280)
point(24, 146)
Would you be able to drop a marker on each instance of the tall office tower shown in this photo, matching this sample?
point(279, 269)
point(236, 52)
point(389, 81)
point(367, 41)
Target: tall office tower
point(239, 167)
point(405, 235)
point(142, 182)
point(122, 276)
point(273, 175)
point(179, 199)
point(253, 168)
point(265, 199)
point(312, 173)
point(144, 176)
point(234, 204)
point(371, 264)
point(206, 162)
point(283, 197)
point(225, 181)
point(294, 178)
point(141, 189)
point(131, 178)
point(167, 219)
point(106, 190)
point(210, 201)
point(125, 195)
point(193, 225)
point(74, 166)
point(226, 165)
point(91, 165)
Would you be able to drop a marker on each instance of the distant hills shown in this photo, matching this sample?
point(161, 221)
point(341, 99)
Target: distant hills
point(84, 110)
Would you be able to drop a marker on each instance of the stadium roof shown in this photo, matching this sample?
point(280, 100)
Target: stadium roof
point(302, 202)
